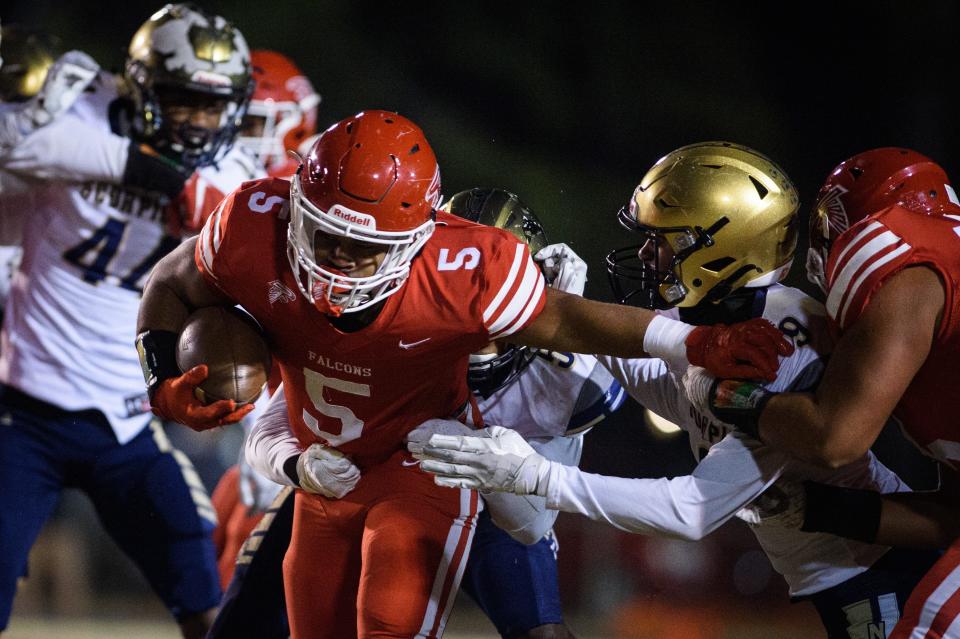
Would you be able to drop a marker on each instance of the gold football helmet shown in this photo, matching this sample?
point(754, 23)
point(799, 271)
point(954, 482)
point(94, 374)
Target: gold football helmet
point(713, 217)
point(502, 209)
point(495, 207)
point(27, 54)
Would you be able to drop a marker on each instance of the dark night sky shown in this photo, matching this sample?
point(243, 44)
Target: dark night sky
point(569, 108)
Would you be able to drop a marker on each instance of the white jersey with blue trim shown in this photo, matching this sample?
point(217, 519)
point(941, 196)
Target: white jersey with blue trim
point(88, 247)
point(558, 394)
point(734, 469)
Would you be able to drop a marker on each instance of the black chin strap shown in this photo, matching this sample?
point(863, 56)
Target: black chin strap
point(739, 306)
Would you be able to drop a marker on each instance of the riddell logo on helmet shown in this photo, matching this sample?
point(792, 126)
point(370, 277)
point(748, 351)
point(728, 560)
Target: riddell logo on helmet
point(354, 217)
point(832, 205)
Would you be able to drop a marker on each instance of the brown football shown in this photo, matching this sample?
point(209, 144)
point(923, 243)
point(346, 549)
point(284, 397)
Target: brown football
point(229, 342)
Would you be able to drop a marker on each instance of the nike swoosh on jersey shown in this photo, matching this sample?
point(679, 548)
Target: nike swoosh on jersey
point(409, 463)
point(412, 344)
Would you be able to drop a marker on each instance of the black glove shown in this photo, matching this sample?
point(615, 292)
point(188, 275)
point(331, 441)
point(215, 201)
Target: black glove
point(148, 171)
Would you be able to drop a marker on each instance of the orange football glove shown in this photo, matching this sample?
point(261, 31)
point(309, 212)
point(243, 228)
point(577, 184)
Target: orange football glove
point(748, 350)
point(175, 399)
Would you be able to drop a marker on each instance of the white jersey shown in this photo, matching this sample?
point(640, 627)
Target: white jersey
point(557, 394)
point(70, 320)
point(734, 469)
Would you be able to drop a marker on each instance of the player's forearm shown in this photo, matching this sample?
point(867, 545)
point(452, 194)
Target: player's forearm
point(271, 444)
point(921, 520)
point(573, 324)
point(793, 423)
point(67, 149)
point(675, 507)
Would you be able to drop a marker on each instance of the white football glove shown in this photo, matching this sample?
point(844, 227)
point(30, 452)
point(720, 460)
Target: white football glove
point(326, 471)
point(782, 505)
point(503, 461)
point(563, 268)
point(67, 78)
point(417, 438)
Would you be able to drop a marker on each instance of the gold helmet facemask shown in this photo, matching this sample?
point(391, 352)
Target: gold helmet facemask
point(713, 218)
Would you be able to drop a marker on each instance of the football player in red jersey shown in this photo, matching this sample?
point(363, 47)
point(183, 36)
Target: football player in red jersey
point(282, 115)
point(885, 248)
point(394, 296)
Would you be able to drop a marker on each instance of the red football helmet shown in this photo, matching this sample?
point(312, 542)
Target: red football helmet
point(869, 182)
point(282, 112)
point(374, 178)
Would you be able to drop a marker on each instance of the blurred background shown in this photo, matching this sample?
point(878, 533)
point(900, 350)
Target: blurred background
point(567, 107)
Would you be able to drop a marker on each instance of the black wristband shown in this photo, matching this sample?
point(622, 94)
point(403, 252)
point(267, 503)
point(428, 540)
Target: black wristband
point(153, 173)
point(846, 512)
point(739, 403)
point(158, 357)
point(290, 469)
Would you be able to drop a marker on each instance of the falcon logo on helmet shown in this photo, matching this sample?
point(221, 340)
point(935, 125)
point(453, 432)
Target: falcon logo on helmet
point(867, 183)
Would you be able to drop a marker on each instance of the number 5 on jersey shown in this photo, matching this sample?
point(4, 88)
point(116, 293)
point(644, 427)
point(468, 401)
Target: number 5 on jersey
point(351, 426)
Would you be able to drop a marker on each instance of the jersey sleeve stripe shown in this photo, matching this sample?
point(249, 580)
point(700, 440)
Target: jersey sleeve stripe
point(519, 300)
point(595, 413)
point(507, 285)
point(855, 289)
point(206, 249)
point(210, 239)
point(864, 254)
point(835, 264)
point(531, 305)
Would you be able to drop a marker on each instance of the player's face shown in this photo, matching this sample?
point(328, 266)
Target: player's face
point(349, 256)
point(253, 126)
point(186, 110)
point(656, 254)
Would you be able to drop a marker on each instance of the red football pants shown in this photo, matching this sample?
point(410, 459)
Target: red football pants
point(933, 609)
point(384, 561)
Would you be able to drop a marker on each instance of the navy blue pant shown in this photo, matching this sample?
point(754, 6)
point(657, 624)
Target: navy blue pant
point(870, 604)
point(140, 491)
point(514, 584)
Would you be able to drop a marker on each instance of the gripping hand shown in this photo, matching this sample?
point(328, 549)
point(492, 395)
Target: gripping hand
point(502, 462)
point(175, 399)
point(748, 350)
point(418, 437)
point(563, 268)
point(326, 471)
point(64, 83)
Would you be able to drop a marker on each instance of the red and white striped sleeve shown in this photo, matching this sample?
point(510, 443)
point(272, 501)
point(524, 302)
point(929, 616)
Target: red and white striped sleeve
point(515, 292)
point(210, 242)
point(866, 255)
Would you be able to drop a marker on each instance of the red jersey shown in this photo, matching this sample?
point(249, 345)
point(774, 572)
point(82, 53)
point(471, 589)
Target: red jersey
point(863, 258)
point(363, 391)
